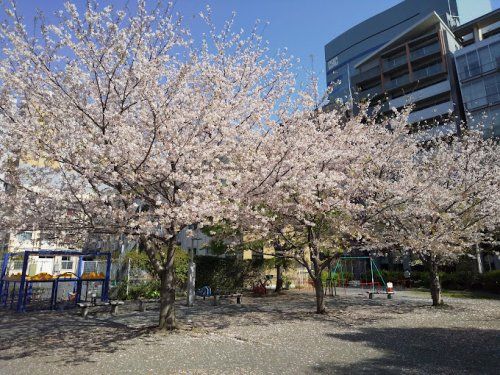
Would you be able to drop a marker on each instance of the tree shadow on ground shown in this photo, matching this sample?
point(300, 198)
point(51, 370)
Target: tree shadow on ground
point(67, 338)
point(422, 351)
point(342, 311)
point(61, 336)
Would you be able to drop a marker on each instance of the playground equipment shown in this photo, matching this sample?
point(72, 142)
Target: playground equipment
point(260, 286)
point(20, 290)
point(204, 291)
point(354, 272)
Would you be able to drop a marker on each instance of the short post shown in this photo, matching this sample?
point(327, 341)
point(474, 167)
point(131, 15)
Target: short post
point(238, 299)
point(191, 279)
point(79, 272)
point(142, 306)
point(390, 290)
point(191, 293)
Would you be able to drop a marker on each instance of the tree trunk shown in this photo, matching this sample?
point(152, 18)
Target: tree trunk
point(279, 277)
point(320, 298)
point(437, 298)
point(167, 292)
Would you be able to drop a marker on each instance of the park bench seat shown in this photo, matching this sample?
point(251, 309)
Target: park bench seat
point(144, 302)
point(114, 306)
point(217, 297)
point(85, 306)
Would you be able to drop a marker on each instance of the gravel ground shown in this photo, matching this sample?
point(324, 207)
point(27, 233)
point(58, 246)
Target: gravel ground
point(270, 335)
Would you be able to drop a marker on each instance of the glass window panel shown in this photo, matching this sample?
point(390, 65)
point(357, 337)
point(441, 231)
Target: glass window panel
point(462, 67)
point(474, 95)
point(24, 236)
point(495, 50)
point(487, 63)
point(473, 63)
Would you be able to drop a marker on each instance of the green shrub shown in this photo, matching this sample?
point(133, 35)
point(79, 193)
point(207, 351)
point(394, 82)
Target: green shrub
point(228, 273)
point(421, 278)
point(457, 280)
point(392, 276)
point(139, 259)
point(219, 273)
point(490, 281)
point(148, 290)
point(462, 280)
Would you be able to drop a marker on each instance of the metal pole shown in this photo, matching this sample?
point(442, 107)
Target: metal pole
point(4, 273)
point(191, 275)
point(371, 269)
point(128, 278)
point(22, 284)
point(107, 277)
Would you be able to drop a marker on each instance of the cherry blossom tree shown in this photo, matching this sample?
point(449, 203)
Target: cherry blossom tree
point(317, 170)
point(124, 126)
point(444, 201)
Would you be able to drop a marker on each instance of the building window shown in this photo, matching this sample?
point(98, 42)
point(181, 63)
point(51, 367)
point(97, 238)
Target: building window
point(46, 239)
point(487, 61)
point(474, 95)
point(24, 236)
point(478, 61)
point(474, 68)
point(66, 263)
point(492, 88)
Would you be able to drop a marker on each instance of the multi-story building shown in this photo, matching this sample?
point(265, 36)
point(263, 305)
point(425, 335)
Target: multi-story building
point(478, 64)
point(404, 56)
point(348, 49)
point(414, 68)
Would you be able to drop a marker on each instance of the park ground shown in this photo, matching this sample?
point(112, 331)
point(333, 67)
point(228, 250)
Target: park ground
point(266, 335)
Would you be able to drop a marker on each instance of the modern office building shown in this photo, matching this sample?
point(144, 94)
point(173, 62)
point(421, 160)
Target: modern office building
point(346, 50)
point(414, 68)
point(478, 64)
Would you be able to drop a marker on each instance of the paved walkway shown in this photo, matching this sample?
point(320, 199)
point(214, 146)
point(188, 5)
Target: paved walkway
point(270, 335)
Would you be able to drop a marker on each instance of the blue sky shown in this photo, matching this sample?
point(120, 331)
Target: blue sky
point(303, 26)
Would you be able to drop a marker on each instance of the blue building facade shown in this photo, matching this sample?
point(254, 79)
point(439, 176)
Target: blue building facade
point(348, 49)
point(478, 69)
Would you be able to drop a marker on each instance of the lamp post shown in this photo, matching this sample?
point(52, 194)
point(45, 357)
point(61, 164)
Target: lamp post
point(191, 274)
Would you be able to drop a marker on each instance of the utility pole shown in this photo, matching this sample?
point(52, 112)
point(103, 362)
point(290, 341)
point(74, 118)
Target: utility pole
point(479, 260)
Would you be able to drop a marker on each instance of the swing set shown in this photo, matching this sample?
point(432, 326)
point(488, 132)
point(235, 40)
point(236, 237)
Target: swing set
point(356, 272)
point(17, 291)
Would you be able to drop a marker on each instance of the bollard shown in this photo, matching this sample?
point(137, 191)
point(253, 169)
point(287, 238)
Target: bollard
point(390, 290)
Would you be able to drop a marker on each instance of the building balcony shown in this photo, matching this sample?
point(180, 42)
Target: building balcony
point(371, 92)
point(427, 72)
point(397, 82)
point(431, 112)
point(421, 94)
point(429, 50)
point(367, 75)
point(390, 64)
point(438, 131)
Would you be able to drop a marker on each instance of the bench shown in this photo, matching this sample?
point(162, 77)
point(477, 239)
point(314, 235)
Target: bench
point(85, 306)
point(217, 297)
point(114, 306)
point(370, 294)
point(144, 302)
